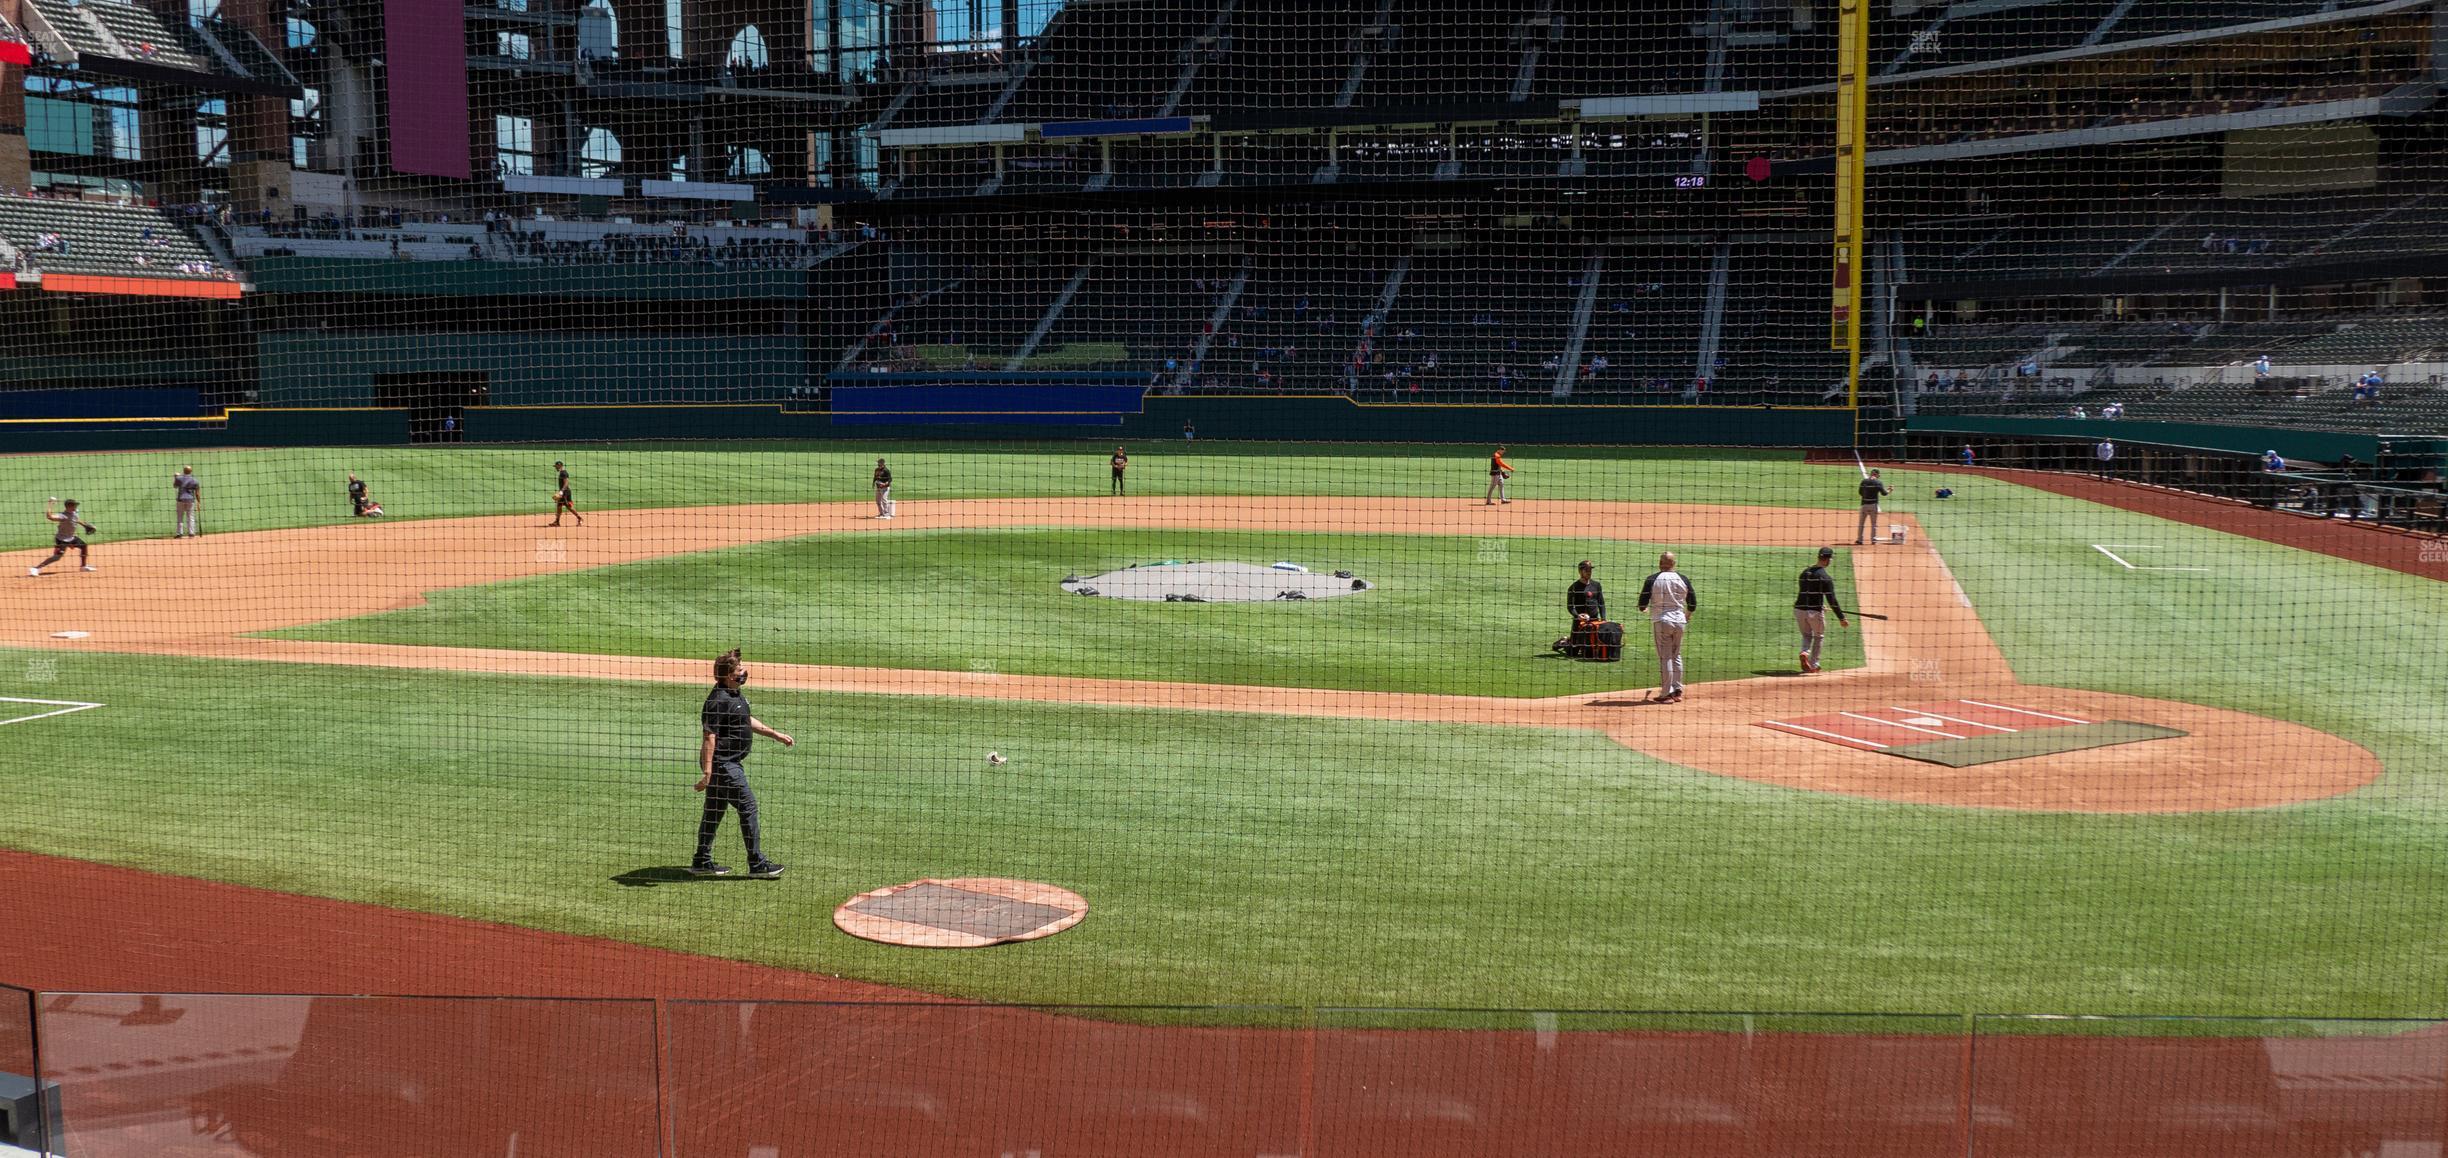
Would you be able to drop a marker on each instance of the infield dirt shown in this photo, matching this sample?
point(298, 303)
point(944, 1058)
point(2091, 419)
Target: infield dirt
point(203, 597)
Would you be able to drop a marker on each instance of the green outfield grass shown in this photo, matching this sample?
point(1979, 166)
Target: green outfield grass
point(1228, 858)
point(1287, 861)
point(129, 495)
point(1450, 615)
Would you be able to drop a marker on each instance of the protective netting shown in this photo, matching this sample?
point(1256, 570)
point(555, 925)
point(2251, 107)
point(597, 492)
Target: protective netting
point(568, 497)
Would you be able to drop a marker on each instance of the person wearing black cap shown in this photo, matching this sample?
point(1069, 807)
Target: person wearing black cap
point(1817, 597)
point(561, 496)
point(1586, 596)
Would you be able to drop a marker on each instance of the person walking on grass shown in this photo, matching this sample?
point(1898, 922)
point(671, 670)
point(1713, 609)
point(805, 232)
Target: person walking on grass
point(189, 492)
point(1499, 472)
point(1811, 605)
point(1872, 490)
point(64, 537)
point(729, 725)
point(562, 501)
point(1670, 601)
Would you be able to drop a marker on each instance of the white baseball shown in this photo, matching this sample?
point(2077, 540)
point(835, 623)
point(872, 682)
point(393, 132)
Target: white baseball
point(994, 758)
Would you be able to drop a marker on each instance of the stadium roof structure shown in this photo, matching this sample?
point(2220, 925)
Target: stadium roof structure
point(133, 43)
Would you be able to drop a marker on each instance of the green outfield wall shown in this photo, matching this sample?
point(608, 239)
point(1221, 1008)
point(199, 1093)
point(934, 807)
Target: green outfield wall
point(302, 368)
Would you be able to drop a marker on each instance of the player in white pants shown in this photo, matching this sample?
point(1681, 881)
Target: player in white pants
point(188, 495)
point(883, 490)
point(1669, 599)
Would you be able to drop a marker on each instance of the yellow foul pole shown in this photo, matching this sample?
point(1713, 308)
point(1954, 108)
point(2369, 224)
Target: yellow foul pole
point(1852, 148)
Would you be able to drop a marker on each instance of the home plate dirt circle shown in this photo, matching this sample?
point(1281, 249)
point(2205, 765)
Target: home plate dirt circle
point(960, 913)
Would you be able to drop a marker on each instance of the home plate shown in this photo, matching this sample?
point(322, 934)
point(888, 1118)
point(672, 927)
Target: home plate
point(1965, 733)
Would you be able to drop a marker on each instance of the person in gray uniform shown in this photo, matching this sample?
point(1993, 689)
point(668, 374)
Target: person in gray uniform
point(190, 495)
point(1872, 490)
point(64, 538)
point(883, 490)
point(1670, 601)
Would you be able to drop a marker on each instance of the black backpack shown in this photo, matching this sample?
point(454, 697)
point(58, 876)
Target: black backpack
point(1609, 645)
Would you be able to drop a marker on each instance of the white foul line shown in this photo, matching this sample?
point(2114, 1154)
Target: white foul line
point(1830, 735)
point(1953, 720)
point(1893, 724)
point(64, 706)
point(2102, 548)
point(1949, 572)
point(2026, 712)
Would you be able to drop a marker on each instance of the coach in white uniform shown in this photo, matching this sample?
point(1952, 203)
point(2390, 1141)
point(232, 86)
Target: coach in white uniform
point(1668, 598)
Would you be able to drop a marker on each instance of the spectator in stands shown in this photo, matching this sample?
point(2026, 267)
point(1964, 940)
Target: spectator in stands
point(1965, 455)
point(2105, 452)
point(2271, 463)
point(2367, 388)
point(2261, 368)
point(2078, 412)
point(2113, 411)
point(1930, 385)
point(1963, 381)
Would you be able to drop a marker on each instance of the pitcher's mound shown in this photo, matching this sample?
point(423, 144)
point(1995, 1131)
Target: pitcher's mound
point(963, 913)
point(1213, 583)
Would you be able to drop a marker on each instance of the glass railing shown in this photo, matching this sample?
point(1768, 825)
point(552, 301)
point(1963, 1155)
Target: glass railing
point(25, 1121)
point(379, 1077)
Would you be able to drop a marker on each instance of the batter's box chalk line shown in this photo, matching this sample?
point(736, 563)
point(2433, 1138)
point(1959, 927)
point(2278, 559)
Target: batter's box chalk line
point(2119, 560)
point(58, 708)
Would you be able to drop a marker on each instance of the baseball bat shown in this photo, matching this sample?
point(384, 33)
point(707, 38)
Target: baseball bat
point(1869, 615)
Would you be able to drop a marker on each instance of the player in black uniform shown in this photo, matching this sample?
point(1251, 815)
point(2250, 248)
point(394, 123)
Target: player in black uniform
point(1586, 596)
point(361, 503)
point(561, 497)
point(1120, 462)
point(728, 725)
point(1818, 589)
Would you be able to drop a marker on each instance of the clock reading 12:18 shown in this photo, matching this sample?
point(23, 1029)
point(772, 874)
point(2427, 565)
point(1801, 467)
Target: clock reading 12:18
point(1691, 182)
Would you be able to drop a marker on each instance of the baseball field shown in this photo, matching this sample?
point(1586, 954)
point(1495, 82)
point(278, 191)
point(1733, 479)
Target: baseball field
point(456, 718)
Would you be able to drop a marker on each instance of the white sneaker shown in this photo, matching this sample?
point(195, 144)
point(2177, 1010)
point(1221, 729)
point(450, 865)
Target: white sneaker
point(36, 572)
point(89, 568)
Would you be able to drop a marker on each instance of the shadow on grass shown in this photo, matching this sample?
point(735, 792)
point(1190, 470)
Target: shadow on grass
point(647, 878)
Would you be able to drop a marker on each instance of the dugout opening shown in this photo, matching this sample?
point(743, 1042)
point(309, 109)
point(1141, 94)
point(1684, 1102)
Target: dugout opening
point(435, 402)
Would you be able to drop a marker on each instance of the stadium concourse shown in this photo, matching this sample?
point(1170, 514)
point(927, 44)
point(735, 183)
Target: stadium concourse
point(2098, 814)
